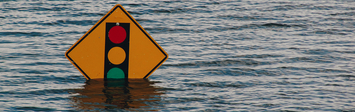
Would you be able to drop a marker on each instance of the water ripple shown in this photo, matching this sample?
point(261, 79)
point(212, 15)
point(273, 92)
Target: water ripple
point(223, 56)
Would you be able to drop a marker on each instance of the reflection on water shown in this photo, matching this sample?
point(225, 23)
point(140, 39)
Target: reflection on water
point(130, 94)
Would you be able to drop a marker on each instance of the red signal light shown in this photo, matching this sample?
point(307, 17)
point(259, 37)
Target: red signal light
point(117, 34)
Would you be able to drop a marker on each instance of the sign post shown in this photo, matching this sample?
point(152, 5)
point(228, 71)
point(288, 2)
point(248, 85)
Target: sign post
point(116, 47)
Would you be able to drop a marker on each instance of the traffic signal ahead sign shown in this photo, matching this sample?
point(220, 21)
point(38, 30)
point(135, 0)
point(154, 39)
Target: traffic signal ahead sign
point(116, 47)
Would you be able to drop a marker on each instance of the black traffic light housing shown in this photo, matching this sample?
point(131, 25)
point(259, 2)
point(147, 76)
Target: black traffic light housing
point(109, 45)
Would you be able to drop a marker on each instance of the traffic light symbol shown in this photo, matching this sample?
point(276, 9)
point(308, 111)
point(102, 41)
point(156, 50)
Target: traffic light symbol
point(116, 50)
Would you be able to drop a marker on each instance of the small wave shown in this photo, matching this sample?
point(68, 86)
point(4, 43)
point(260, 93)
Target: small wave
point(40, 63)
point(248, 62)
point(282, 25)
point(220, 84)
point(135, 4)
point(145, 20)
point(84, 14)
point(332, 32)
point(257, 56)
point(19, 34)
point(7, 41)
point(316, 70)
point(326, 32)
point(25, 108)
point(337, 42)
point(59, 22)
point(268, 105)
point(77, 22)
point(345, 13)
point(318, 59)
point(334, 85)
point(307, 59)
point(35, 8)
point(18, 55)
point(254, 26)
point(242, 72)
point(243, 17)
point(318, 51)
point(172, 10)
point(166, 30)
point(37, 71)
point(29, 71)
point(275, 25)
point(39, 92)
point(321, 7)
point(346, 76)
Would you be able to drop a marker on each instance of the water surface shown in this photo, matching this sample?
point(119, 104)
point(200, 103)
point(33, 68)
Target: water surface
point(246, 55)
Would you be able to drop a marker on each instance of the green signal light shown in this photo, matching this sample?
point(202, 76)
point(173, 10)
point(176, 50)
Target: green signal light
point(115, 73)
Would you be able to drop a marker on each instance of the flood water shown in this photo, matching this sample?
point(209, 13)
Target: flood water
point(227, 55)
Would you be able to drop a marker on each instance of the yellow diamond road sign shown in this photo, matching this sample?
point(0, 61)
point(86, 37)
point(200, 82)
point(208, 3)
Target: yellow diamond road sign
point(116, 47)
